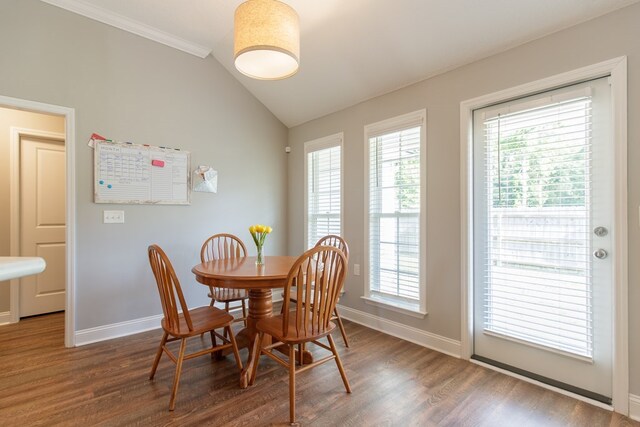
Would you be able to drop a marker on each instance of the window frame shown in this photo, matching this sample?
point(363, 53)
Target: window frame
point(334, 140)
point(398, 304)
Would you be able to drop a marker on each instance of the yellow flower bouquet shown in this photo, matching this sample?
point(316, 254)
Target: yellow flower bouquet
point(259, 233)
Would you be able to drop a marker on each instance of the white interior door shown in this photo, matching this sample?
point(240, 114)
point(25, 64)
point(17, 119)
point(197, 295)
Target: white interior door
point(543, 226)
point(42, 223)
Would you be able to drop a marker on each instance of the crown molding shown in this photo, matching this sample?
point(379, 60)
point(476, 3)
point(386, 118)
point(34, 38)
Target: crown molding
point(99, 14)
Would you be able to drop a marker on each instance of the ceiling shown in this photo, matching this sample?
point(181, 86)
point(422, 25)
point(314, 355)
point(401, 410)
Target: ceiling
point(351, 50)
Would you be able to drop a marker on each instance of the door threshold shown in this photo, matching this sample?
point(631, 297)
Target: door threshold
point(586, 396)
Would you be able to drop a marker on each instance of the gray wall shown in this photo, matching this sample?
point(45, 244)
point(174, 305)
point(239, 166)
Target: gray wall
point(131, 89)
point(26, 120)
point(604, 38)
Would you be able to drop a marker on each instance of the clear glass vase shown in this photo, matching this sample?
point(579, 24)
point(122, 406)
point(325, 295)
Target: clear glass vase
point(260, 257)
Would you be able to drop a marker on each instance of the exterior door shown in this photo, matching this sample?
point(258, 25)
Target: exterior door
point(43, 223)
point(543, 221)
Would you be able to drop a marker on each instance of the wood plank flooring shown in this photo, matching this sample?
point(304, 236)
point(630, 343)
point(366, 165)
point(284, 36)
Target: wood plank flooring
point(395, 383)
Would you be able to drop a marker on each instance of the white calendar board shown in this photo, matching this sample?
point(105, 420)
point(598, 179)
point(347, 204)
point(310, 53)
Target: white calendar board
point(134, 173)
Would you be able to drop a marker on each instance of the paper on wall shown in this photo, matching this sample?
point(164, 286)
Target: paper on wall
point(205, 180)
point(95, 137)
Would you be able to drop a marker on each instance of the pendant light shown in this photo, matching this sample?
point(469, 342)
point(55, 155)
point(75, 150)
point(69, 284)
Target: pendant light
point(266, 39)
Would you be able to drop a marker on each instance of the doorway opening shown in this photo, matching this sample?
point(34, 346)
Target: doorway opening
point(615, 71)
point(37, 189)
point(544, 180)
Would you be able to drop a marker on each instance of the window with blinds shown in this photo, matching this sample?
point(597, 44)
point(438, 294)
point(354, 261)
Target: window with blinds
point(537, 183)
point(323, 184)
point(394, 217)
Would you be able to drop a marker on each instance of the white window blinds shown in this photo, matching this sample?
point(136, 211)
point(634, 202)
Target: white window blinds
point(323, 190)
point(394, 214)
point(537, 186)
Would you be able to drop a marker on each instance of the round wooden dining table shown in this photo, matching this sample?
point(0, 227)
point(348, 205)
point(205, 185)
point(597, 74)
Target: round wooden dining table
point(243, 273)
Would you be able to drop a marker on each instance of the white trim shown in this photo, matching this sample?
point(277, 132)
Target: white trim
point(466, 229)
point(392, 305)
point(634, 407)
point(617, 68)
point(543, 385)
point(415, 118)
point(621, 279)
point(128, 327)
point(117, 330)
point(408, 333)
point(335, 140)
point(70, 147)
point(14, 222)
point(5, 317)
point(116, 20)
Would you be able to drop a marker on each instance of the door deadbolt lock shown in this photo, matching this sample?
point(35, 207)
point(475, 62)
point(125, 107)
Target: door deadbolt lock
point(600, 254)
point(600, 231)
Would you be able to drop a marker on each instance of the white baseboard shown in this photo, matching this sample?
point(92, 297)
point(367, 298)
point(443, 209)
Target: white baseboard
point(5, 317)
point(634, 407)
point(117, 330)
point(407, 333)
point(122, 329)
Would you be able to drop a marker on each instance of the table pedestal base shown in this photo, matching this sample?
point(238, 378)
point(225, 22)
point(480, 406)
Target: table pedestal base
point(260, 307)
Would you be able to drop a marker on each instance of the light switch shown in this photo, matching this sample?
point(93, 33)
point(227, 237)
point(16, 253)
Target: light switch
point(356, 269)
point(113, 217)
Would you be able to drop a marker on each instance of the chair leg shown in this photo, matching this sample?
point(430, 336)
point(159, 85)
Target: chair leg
point(226, 308)
point(257, 351)
point(339, 363)
point(176, 379)
point(341, 326)
point(163, 341)
point(211, 303)
point(234, 346)
point(292, 384)
point(214, 343)
point(244, 312)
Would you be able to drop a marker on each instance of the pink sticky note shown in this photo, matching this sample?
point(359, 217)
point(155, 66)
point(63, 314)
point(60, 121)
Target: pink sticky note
point(158, 163)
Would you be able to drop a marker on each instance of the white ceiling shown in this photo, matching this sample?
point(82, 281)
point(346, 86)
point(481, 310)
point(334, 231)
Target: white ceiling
point(351, 50)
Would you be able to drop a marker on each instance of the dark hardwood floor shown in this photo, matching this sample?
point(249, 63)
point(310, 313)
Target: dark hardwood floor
point(395, 383)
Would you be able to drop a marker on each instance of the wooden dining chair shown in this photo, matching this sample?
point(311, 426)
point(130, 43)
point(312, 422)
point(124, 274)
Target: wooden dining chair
point(340, 243)
point(180, 323)
point(225, 246)
point(319, 274)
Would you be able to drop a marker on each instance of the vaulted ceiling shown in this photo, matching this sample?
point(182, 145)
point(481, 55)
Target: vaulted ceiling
point(351, 50)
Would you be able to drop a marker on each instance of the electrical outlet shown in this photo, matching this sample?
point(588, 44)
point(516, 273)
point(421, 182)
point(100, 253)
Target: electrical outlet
point(356, 269)
point(113, 217)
